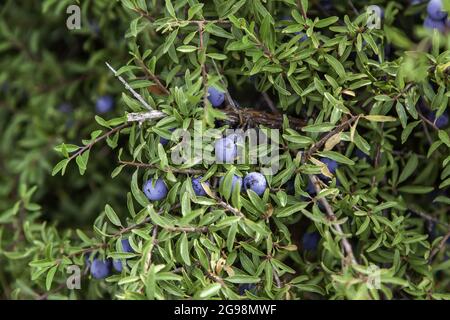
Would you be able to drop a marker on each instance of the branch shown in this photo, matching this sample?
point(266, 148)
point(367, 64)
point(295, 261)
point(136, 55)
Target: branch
point(345, 243)
point(440, 246)
point(152, 76)
point(153, 166)
point(343, 126)
point(102, 137)
point(145, 116)
point(127, 86)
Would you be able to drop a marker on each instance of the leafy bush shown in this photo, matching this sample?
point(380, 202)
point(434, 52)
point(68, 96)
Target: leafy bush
point(358, 208)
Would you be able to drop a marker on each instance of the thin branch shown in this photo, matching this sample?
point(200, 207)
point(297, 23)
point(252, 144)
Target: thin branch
point(269, 102)
point(145, 116)
point(440, 246)
point(202, 50)
point(230, 208)
point(102, 137)
point(127, 86)
point(154, 166)
point(343, 126)
point(152, 76)
point(329, 211)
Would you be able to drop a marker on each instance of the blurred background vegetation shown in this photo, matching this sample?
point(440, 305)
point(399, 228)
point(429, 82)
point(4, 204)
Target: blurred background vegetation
point(50, 81)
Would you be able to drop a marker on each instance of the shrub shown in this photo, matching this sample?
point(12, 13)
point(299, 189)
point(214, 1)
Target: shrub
point(331, 85)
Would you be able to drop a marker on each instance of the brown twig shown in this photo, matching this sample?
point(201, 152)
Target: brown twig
point(329, 211)
point(154, 166)
point(202, 50)
point(152, 76)
point(267, 119)
point(270, 103)
point(440, 246)
point(343, 126)
point(102, 137)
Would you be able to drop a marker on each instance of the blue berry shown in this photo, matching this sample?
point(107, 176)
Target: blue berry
point(225, 150)
point(104, 104)
point(165, 141)
point(100, 269)
point(435, 10)
point(65, 107)
point(197, 186)
point(310, 241)
point(440, 122)
point(255, 181)
point(331, 164)
point(361, 155)
point(310, 188)
point(433, 24)
point(251, 287)
point(215, 96)
point(126, 247)
point(290, 187)
point(235, 180)
point(157, 191)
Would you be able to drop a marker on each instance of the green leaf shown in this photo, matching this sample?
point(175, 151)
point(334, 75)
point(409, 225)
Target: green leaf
point(209, 291)
point(336, 156)
point(409, 169)
point(50, 276)
point(184, 249)
point(112, 216)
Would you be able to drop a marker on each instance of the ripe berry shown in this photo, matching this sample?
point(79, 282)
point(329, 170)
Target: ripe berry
point(100, 269)
point(156, 191)
point(440, 122)
point(197, 186)
point(435, 11)
point(165, 141)
point(215, 96)
point(246, 287)
point(104, 104)
point(310, 241)
point(126, 247)
point(361, 155)
point(236, 180)
point(225, 150)
point(433, 24)
point(255, 181)
point(331, 164)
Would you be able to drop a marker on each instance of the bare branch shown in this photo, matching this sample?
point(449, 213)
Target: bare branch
point(127, 86)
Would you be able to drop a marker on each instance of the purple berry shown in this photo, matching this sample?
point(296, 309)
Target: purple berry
point(310, 188)
point(435, 10)
point(225, 150)
point(433, 24)
point(215, 96)
point(440, 122)
point(100, 269)
point(65, 107)
point(197, 186)
point(126, 247)
point(104, 104)
point(156, 191)
point(310, 241)
point(331, 164)
point(251, 287)
point(235, 180)
point(165, 141)
point(255, 181)
point(361, 155)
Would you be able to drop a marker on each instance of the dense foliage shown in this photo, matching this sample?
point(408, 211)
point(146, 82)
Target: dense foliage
point(359, 206)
